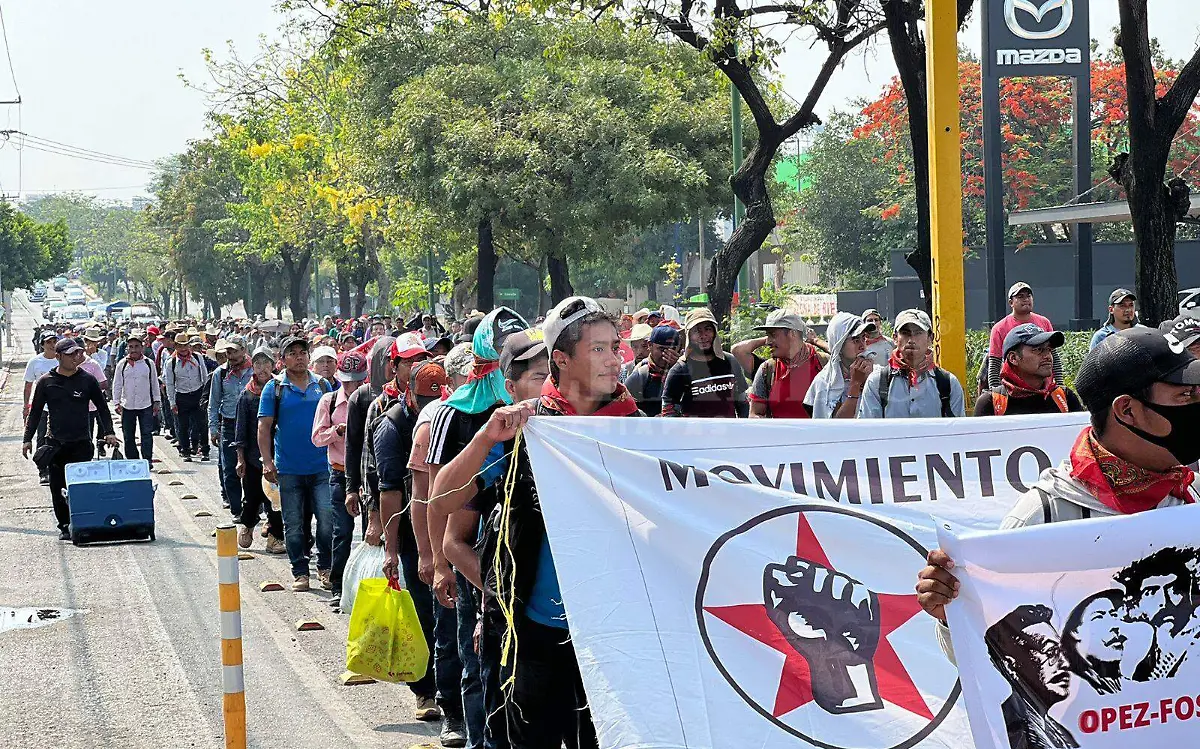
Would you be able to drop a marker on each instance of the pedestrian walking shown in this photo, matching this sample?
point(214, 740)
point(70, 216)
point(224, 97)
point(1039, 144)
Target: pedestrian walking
point(286, 411)
point(838, 388)
point(706, 382)
point(645, 382)
point(329, 431)
point(186, 376)
point(1122, 315)
point(225, 389)
point(911, 385)
point(782, 381)
point(34, 369)
point(137, 398)
point(1027, 383)
point(249, 461)
point(65, 392)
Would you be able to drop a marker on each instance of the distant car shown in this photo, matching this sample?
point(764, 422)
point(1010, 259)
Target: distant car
point(59, 283)
point(74, 313)
point(53, 309)
point(37, 295)
point(97, 303)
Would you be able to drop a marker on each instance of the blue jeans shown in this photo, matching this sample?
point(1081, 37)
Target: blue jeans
point(141, 420)
point(423, 601)
point(472, 688)
point(302, 497)
point(447, 668)
point(343, 530)
point(231, 485)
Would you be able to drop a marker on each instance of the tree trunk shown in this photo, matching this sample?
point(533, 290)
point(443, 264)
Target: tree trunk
point(295, 267)
point(750, 185)
point(652, 291)
point(485, 264)
point(360, 293)
point(343, 284)
point(560, 278)
point(1153, 215)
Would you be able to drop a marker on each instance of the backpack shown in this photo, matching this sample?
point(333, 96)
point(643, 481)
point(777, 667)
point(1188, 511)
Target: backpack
point(1000, 400)
point(940, 376)
point(277, 393)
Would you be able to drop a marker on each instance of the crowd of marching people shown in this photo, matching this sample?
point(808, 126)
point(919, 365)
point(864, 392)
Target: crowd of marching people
point(406, 434)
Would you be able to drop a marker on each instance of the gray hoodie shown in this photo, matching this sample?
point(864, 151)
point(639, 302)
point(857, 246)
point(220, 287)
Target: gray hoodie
point(825, 393)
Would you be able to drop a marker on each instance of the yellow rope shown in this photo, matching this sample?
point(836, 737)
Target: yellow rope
point(506, 599)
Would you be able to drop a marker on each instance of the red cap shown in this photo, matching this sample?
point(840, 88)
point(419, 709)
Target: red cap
point(407, 346)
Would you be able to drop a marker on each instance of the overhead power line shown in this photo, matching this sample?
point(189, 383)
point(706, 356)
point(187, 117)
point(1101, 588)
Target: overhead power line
point(45, 145)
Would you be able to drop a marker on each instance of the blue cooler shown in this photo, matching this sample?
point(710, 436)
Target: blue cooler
point(110, 500)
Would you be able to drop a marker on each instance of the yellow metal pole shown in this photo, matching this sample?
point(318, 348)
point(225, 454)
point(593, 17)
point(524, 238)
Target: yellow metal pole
point(945, 187)
point(232, 681)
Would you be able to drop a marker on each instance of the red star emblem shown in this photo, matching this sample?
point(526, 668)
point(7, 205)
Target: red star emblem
point(795, 682)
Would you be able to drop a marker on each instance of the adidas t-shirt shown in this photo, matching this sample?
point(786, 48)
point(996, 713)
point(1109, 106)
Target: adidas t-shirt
point(704, 389)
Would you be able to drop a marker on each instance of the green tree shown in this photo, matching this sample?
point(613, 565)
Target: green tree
point(31, 251)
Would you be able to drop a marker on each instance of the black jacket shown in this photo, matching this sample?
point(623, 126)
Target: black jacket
point(356, 433)
point(245, 430)
point(68, 399)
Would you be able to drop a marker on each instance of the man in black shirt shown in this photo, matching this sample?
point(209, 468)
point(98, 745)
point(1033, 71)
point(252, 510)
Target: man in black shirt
point(1027, 383)
point(66, 391)
point(706, 382)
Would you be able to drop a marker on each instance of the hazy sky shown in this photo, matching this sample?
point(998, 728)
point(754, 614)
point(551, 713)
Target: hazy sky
point(104, 76)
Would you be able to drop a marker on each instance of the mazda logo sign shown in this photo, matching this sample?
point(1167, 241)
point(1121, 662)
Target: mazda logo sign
point(1032, 9)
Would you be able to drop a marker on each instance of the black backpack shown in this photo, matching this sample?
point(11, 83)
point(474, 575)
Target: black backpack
point(940, 376)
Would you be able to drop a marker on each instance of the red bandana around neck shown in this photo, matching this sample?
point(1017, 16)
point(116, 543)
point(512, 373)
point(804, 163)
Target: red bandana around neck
point(1119, 484)
point(622, 403)
point(391, 390)
point(898, 364)
point(235, 373)
point(1019, 388)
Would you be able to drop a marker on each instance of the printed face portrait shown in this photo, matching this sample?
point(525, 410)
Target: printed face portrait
point(1045, 663)
point(1094, 629)
point(1162, 598)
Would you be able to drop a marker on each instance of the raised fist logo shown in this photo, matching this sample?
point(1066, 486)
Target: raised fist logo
point(832, 620)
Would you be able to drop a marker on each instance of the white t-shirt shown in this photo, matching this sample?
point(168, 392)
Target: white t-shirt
point(38, 366)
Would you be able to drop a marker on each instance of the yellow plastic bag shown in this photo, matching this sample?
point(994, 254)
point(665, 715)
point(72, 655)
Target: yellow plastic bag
point(385, 641)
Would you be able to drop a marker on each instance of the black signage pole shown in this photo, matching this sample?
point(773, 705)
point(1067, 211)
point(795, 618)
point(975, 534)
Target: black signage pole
point(993, 190)
point(1081, 88)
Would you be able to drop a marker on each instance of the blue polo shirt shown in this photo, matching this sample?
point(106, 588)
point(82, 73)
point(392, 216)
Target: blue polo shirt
point(295, 454)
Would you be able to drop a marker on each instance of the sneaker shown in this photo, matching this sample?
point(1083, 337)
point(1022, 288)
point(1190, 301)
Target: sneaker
point(245, 536)
point(453, 735)
point(224, 502)
point(300, 584)
point(204, 458)
point(64, 534)
point(427, 709)
point(44, 479)
point(187, 458)
point(275, 546)
point(323, 577)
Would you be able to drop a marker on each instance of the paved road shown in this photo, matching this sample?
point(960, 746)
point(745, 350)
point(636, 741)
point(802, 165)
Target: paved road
point(141, 666)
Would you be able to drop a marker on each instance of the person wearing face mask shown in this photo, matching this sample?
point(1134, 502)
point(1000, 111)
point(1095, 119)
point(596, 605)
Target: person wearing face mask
point(1144, 401)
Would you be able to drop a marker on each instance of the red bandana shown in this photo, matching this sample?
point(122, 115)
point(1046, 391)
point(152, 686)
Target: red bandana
point(898, 364)
point(236, 373)
point(1121, 485)
point(482, 368)
point(254, 387)
point(1018, 388)
point(622, 403)
point(391, 390)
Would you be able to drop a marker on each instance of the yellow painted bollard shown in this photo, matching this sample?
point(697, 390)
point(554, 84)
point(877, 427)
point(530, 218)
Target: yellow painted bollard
point(234, 708)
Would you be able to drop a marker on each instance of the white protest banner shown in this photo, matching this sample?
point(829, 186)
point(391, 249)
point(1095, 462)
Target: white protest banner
point(1081, 634)
point(713, 604)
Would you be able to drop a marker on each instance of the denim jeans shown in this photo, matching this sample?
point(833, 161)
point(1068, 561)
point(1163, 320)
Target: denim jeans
point(423, 601)
point(190, 424)
point(343, 530)
point(447, 668)
point(231, 486)
point(141, 419)
point(491, 676)
point(302, 497)
point(472, 688)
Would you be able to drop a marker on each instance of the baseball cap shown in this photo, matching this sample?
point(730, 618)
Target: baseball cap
point(521, 346)
point(427, 380)
point(352, 367)
point(782, 319)
point(48, 335)
point(263, 352)
point(558, 319)
point(640, 332)
point(697, 316)
point(1129, 361)
point(1120, 295)
point(235, 341)
point(322, 351)
point(1031, 334)
point(460, 361)
point(407, 346)
point(914, 317)
point(432, 343)
point(1017, 288)
point(293, 340)
point(664, 335)
point(68, 346)
point(153, 330)
point(1181, 332)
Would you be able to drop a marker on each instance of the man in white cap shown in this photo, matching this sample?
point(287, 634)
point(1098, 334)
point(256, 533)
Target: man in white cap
point(706, 382)
point(910, 384)
point(226, 386)
point(1020, 300)
point(782, 381)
